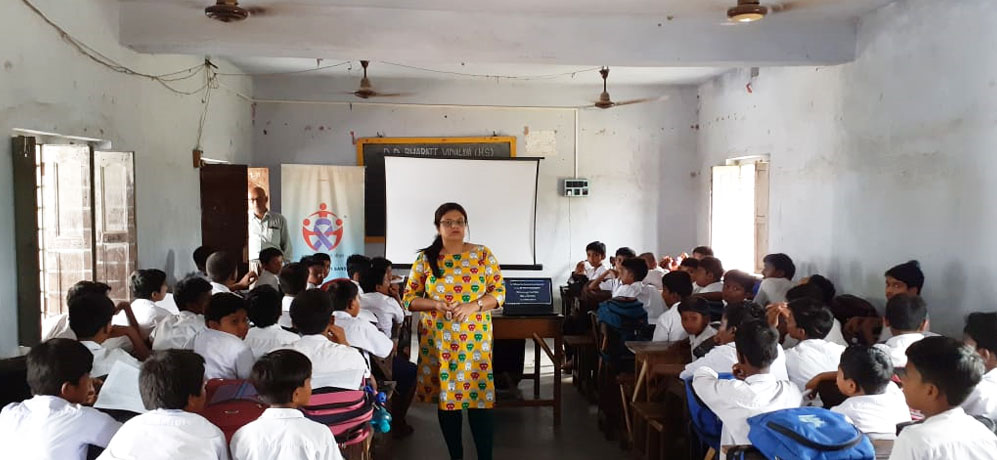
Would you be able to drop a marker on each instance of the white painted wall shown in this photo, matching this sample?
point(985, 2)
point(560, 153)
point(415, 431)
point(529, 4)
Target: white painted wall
point(878, 161)
point(46, 85)
point(639, 158)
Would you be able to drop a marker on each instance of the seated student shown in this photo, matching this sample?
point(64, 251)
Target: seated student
point(906, 318)
point(754, 389)
point(631, 271)
point(375, 283)
point(316, 271)
point(201, 255)
point(293, 281)
point(654, 272)
point(226, 355)
point(360, 334)
point(707, 278)
point(282, 378)
point(875, 405)
point(940, 373)
point(676, 287)
point(906, 278)
point(192, 296)
point(778, 274)
point(980, 334)
point(815, 292)
point(826, 288)
point(356, 266)
point(593, 266)
point(324, 343)
point(147, 287)
point(127, 338)
point(689, 265)
point(808, 321)
point(264, 305)
point(737, 287)
point(724, 355)
point(222, 271)
point(609, 280)
point(90, 317)
point(696, 322)
point(702, 252)
point(172, 387)
point(271, 261)
point(54, 424)
point(326, 265)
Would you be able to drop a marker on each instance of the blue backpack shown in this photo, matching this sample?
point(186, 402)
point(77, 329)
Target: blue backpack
point(808, 433)
point(627, 320)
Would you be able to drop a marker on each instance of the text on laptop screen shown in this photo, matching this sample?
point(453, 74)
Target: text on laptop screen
point(528, 291)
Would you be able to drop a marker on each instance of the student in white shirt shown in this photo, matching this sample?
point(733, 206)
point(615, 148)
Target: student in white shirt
point(90, 318)
point(172, 387)
point(723, 356)
point(377, 299)
point(875, 405)
point(808, 321)
point(54, 424)
point(226, 355)
point(654, 272)
point(271, 261)
point(778, 273)
point(609, 280)
point(980, 334)
point(707, 279)
point(754, 389)
point(360, 333)
point(223, 273)
point(940, 373)
point(127, 338)
point(631, 272)
point(695, 313)
point(147, 287)
point(282, 378)
point(593, 266)
point(811, 290)
point(264, 304)
point(325, 343)
point(676, 287)
point(907, 319)
point(192, 296)
point(293, 281)
point(356, 266)
point(316, 271)
point(737, 287)
point(200, 257)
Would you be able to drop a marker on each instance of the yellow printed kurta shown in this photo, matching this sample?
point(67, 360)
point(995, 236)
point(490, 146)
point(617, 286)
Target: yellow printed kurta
point(455, 359)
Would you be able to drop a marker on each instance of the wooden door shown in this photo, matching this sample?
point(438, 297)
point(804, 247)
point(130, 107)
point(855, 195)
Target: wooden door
point(225, 210)
point(114, 202)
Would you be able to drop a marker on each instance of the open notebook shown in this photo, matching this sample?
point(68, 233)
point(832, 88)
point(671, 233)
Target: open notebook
point(120, 390)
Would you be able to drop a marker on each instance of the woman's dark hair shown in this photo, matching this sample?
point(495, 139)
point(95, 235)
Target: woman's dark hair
point(432, 252)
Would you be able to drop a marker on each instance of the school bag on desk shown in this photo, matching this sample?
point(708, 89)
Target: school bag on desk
point(231, 405)
point(808, 433)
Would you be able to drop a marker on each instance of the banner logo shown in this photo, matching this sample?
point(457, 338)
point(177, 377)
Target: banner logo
point(322, 230)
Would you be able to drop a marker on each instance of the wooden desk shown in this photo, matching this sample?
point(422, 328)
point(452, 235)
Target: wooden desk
point(536, 328)
point(647, 354)
point(883, 448)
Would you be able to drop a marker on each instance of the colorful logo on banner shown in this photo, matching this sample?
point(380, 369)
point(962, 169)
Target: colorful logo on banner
point(322, 230)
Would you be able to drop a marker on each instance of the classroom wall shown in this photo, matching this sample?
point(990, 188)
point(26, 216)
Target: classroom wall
point(878, 161)
point(46, 85)
point(637, 157)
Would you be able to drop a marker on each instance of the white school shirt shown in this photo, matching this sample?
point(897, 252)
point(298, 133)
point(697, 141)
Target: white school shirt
point(282, 433)
point(263, 340)
point(267, 279)
point(983, 399)
point(654, 276)
point(712, 287)
point(285, 311)
point(722, 359)
point(654, 305)
point(610, 284)
point(734, 401)
point(225, 355)
point(772, 290)
point(697, 340)
point(147, 314)
point(897, 346)
point(811, 357)
point(311, 285)
point(178, 331)
point(635, 289)
point(104, 358)
point(357, 284)
point(877, 415)
point(594, 272)
point(364, 335)
point(49, 427)
point(949, 435)
point(218, 288)
point(385, 309)
point(167, 434)
point(329, 357)
point(668, 327)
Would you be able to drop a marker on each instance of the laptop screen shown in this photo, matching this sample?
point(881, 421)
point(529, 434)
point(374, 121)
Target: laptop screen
point(529, 291)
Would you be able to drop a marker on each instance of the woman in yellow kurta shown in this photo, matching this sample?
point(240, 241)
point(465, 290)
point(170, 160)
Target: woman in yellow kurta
point(455, 285)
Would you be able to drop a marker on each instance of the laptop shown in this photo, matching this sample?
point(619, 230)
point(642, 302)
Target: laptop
point(528, 297)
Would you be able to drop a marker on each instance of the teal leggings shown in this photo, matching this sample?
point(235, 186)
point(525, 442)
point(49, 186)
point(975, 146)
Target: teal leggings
point(482, 423)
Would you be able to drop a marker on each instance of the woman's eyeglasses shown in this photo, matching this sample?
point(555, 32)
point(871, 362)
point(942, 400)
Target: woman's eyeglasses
point(453, 223)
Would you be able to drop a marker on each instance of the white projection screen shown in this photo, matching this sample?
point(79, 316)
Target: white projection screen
point(500, 196)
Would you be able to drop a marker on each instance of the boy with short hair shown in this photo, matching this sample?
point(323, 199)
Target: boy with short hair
point(326, 264)
point(226, 355)
point(675, 287)
point(592, 266)
point(754, 389)
point(54, 424)
point(90, 318)
point(192, 296)
point(282, 378)
point(980, 334)
point(271, 261)
point(356, 266)
point(201, 255)
point(778, 274)
point(264, 310)
point(702, 252)
point(293, 281)
point(737, 287)
point(360, 333)
point(316, 271)
point(940, 373)
point(172, 387)
point(696, 322)
point(376, 298)
point(906, 318)
point(707, 278)
point(631, 272)
point(323, 342)
point(222, 271)
point(875, 405)
point(808, 322)
point(724, 355)
point(147, 287)
point(689, 265)
point(906, 278)
point(654, 272)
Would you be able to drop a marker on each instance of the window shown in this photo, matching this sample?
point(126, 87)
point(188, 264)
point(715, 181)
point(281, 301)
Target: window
point(739, 214)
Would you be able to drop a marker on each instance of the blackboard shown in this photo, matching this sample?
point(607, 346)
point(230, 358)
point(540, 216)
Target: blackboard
point(371, 152)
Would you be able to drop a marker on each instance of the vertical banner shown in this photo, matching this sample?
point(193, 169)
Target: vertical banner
point(324, 208)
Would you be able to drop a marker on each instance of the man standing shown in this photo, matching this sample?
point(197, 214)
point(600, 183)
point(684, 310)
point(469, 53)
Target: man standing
point(266, 229)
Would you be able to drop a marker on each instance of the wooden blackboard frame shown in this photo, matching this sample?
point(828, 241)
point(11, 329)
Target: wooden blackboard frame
point(372, 209)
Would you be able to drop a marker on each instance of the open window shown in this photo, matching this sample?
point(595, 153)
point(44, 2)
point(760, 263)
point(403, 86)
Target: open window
point(739, 213)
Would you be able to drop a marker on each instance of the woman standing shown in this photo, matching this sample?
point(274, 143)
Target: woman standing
point(455, 285)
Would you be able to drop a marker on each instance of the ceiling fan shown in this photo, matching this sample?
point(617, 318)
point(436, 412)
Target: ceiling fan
point(747, 11)
point(366, 90)
point(605, 102)
point(230, 11)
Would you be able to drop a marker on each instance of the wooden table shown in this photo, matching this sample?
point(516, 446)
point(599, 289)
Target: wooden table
point(536, 328)
point(646, 355)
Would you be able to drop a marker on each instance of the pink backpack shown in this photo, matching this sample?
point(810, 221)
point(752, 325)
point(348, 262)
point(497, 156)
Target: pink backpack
point(346, 412)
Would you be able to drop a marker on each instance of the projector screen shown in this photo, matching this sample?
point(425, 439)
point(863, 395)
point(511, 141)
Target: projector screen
point(500, 197)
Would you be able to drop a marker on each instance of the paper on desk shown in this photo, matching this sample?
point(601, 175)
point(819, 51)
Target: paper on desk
point(120, 390)
point(351, 379)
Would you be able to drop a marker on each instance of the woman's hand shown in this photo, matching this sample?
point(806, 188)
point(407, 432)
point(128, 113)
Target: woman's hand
point(462, 311)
